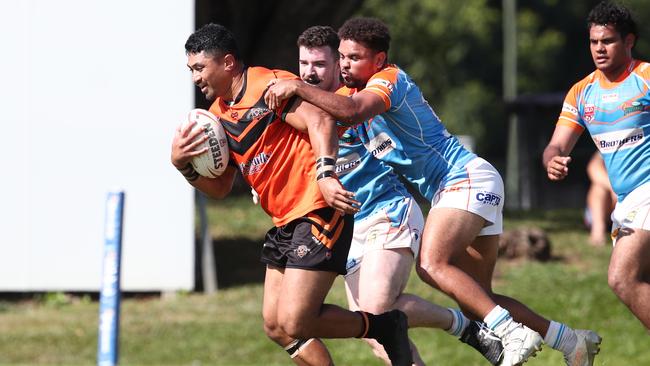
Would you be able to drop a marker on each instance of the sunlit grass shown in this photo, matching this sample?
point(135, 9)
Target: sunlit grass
point(226, 328)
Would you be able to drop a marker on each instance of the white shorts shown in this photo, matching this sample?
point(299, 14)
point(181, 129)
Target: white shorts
point(479, 189)
point(398, 225)
point(633, 212)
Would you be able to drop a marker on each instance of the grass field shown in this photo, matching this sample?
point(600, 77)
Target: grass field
point(226, 328)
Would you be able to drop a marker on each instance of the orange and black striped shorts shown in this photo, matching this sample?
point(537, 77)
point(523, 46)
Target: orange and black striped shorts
point(318, 241)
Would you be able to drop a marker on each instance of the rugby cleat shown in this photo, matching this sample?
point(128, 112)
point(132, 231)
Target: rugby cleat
point(519, 342)
point(586, 348)
point(483, 339)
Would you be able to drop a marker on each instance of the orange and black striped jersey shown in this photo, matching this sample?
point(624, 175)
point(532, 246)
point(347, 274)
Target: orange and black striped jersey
point(274, 158)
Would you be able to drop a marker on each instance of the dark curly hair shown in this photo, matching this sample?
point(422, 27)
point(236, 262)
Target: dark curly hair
point(370, 32)
point(616, 15)
point(320, 36)
point(213, 39)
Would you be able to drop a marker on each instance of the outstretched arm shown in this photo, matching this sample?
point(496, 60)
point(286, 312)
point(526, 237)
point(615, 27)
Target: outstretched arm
point(324, 141)
point(348, 110)
point(556, 157)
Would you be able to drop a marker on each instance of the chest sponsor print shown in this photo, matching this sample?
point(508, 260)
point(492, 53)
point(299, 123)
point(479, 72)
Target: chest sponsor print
point(380, 145)
point(619, 140)
point(347, 163)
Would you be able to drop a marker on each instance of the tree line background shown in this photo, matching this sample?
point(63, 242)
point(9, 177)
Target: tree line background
point(454, 52)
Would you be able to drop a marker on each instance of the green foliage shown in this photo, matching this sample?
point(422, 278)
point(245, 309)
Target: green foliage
point(442, 45)
point(453, 50)
point(54, 299)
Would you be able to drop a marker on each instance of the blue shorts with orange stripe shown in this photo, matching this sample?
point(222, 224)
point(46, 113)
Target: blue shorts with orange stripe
point(318, 241)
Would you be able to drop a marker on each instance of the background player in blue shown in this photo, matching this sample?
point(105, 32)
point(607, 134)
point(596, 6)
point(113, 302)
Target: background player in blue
point(388, 225)
point(613, 104)
point(459, 244)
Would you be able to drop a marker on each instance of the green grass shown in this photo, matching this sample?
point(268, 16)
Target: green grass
point(226, 328)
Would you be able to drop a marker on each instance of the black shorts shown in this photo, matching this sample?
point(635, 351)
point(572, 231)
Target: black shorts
point(319, 241)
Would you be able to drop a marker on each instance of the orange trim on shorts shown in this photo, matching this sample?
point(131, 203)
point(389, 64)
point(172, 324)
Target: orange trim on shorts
point(334, 227)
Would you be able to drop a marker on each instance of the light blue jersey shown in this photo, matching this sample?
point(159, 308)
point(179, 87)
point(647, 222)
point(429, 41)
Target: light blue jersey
point(373, 182)
point(409, 135)
point(617, 115)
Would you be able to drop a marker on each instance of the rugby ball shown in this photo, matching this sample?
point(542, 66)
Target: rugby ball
point(213, 162)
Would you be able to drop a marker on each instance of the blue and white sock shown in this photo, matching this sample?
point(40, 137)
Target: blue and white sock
point(458, 323)
point(496, 316)
point(560, 337)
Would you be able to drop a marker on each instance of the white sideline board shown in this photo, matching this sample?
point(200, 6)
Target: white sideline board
point(91, 94)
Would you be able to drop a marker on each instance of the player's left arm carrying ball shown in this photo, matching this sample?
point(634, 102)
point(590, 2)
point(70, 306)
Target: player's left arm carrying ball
point(321, 128)
point(186, 145)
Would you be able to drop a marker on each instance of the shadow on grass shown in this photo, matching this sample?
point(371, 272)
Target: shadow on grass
point(238, 262)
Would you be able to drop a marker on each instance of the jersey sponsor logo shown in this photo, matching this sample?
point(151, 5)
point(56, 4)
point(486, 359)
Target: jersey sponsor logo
point(619, 140)
point(590, 110)
point(609, 98)
point(348, 138)
point(381, 82)
point(255, 165)
point(380, 145)
point(488, 198)
point(570, 109)
point(347, 163)
point(631, 107)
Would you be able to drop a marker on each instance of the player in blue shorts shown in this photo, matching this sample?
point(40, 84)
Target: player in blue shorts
point(460, 239)
point(613, 105)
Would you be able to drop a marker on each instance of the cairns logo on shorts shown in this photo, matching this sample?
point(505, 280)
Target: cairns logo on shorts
point(488, 198)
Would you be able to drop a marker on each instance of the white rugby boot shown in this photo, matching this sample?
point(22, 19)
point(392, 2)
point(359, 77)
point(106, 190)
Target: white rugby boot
point(519, 342)
point(586, 348)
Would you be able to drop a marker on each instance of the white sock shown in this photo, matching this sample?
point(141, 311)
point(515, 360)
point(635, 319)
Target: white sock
point(458, 323)
point(560, 337)
point(496, 316)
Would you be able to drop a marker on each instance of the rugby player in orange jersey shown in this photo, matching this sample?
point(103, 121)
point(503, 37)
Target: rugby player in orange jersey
point(277, 151)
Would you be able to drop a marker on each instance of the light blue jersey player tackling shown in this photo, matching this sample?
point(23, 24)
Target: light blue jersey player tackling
point(410, 137)
point(388, 216)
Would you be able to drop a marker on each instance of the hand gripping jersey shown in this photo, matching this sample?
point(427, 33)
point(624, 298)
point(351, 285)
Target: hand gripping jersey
point(616, 114)
point(409, 135)
point(274, 158)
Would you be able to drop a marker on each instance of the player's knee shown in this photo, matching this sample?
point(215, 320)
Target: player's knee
point(428, 272)
point(274, 332)
point(618, 281)
point(294, 327)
